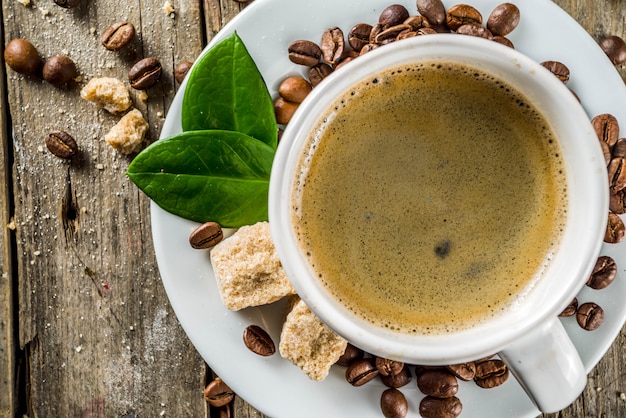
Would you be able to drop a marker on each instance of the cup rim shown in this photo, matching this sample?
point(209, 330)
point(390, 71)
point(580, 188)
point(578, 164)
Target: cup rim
point(581, 241)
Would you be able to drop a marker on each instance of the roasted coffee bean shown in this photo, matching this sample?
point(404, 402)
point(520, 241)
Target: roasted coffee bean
point(462, 14)
point(181, 71)
point(350, 355)
point(614, 229)
point(294, 89)
point(475, 30)
point(118, 35)
point(503, 40)
point(390, 34)
point(369, 47)
point(431, 407)
point(406, 34)
point(304, 52)
point(343, 62)
point(503, 19)
point(397, 381)
point(359, 36)
point(59, 70)
point(22, 57)
point(319, 72)
point(284, 110)
point(258, 341)
point(387, 367)
point(418, 22)
point(619, 149)
point(217, 393)
point(61, 144)
point(393, 15)
point(393, 404)
point(617, 174)
point(607, 128)
point(491, 373)
point(433, 10)
point(606, 152)
point(145, 73)
point(360, 372)
point(590, 316)
point(332, 45)
point(615, 48)
point(224, 412)
point(463, 371)
point(438, 383)
point(206, 235)
point(376, 29)
point(617, 202)
point(67, 4)
point(570, 309)
point(558, 69)
point(426, 31)
point(603, 273)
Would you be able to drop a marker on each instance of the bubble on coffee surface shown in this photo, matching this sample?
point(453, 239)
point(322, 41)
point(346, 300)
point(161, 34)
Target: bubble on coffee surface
point(402, 232)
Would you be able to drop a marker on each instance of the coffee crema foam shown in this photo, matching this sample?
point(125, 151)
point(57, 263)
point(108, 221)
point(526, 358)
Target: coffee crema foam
point(430, 198)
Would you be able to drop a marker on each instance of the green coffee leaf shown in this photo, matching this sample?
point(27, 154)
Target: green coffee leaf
point(215, 175)
point(225, 90)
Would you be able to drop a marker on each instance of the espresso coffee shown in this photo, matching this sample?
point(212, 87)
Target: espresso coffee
point(430, 198)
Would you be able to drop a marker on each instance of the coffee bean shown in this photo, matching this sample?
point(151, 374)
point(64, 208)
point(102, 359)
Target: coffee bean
point(570, 309)
point(206, 235)
point(503, 40)
point(360, 372)
point(393, 15)
point(397, 381)
point(491, 373)
point(359, 36)
point(284, 110)
point(617, 174)
point(350, 355)
point(614, 229)
point(418, 22)
point(387, 367)
point(217, 393)
point(67, 4)
point(61, 144)
point(181, 70)
point(433, 10)
point(426, 31)
point(438, 383)
point(145, 73)
point(615, 48)
point(607, 128)
point(332, 45)
point(431, 407)
point(393, 404)
point(617, 202)
point(463, 371)
point(118, 35)
point(304, 52)
point(462, 14)
point(258, 341)
point(606, 152)
point(390, 34)
point(59, 70)
point(503, 19)
point(294, 89)
point(474, 30)
point(603, 274)
point(369, 47)
point(558, 69)
point(22, 57)
point(619, 149)
point(590, 316)
point(406, 34)
point(224, 412)
point(319, 72)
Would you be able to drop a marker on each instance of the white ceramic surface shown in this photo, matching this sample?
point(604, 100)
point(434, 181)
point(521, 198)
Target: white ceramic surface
point(273, 385)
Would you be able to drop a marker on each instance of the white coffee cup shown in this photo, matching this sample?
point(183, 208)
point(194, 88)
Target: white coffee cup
point(529, 337)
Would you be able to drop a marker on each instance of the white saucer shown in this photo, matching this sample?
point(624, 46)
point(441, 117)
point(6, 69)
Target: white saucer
point(275, 386)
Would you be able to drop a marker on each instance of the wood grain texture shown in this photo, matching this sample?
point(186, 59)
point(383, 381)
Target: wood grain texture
point(92, 324)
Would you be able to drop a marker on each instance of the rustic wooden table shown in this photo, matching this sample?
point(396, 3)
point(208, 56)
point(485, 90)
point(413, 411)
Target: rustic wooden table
point(86, 329)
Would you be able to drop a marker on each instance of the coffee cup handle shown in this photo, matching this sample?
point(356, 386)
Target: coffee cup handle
point(547, 365)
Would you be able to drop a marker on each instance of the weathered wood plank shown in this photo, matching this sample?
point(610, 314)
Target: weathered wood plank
point(97, 329)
